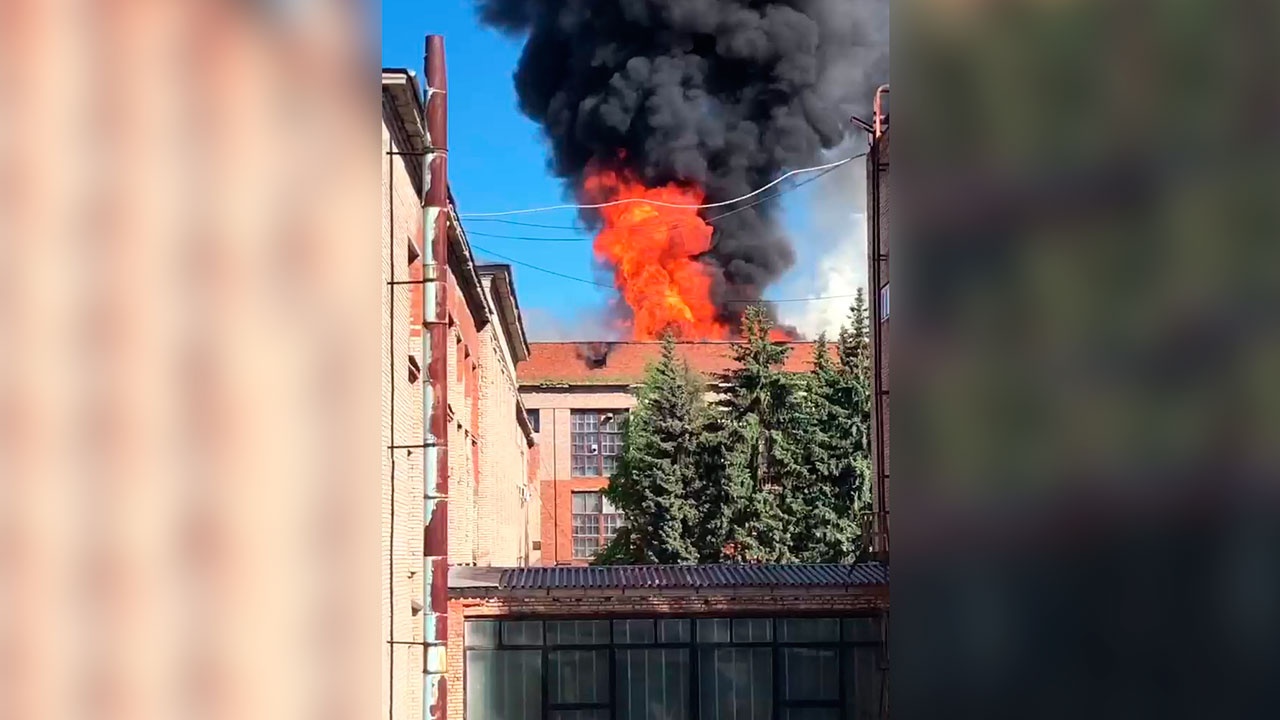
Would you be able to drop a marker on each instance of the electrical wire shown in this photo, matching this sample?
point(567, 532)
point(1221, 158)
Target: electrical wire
point(673, 226)
point(753, 193)
point(521, 263)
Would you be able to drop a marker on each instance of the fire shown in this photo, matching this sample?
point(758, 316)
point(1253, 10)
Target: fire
point(653, 250)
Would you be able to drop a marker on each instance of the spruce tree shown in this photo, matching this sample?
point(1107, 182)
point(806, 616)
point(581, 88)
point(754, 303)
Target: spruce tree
point(657, 476)
point(763, 442)
point(854, 342)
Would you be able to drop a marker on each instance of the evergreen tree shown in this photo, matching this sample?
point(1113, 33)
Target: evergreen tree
point(841, 452)
point(762, 435)
point(854, 342)
point(658, 473)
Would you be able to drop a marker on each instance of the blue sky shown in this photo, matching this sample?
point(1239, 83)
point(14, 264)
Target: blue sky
point(498, 161)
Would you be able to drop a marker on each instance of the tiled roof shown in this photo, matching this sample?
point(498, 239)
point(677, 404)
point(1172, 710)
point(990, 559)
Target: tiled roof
point(624, 363)
point(668, 577)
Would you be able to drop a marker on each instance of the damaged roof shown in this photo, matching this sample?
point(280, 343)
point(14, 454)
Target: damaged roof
point(624, 363)
point(483, 580)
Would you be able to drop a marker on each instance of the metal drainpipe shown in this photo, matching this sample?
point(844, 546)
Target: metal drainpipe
point(435, 462)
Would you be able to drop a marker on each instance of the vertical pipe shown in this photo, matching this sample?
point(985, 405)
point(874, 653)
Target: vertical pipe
point(875, 251)
point(435, 464)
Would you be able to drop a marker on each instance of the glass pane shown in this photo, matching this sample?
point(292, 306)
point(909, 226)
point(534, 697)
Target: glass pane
point(535, 420)
point(752, 630)
point(585, 548)
point(713, 631)
point(578, 632)
point(586, 526)
point(609, 463)
point(653, 684)
point(810, 714)
point(583, 714)
point(809, 631)
point(578, 676)
point(735, 683)
point(632, 632)
point(864, 629)
point(504, 684)
point(611, 524)
point(673, 631)
point(480, 633)
point(586, 502)
point(810, 674)
point(524, 632)
point(864, 690)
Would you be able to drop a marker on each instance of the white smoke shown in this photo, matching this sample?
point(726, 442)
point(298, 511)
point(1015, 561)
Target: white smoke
point(838, 209)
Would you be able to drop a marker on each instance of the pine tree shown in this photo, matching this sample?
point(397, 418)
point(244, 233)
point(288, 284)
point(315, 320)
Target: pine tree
point(658, 476)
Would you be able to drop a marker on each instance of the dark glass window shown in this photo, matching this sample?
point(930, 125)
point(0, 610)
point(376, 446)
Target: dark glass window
point(674, 631)
point(809, 631)
point(674, 669)
point(596, 439)
point(578, 677)
point(735, 683)
point(653, 683)
point(810, 673)
point(578, 632)
point(504, 684)
point(633, 632)
point(535, 419)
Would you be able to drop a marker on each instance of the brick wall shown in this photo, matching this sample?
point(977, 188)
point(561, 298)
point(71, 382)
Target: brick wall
point(555, 479)
point(493, 518)
point(401, 476)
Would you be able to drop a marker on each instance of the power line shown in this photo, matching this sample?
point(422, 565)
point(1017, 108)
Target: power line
point(610, 287)
point(753, 193)
point(526, 237)
point(673, 226)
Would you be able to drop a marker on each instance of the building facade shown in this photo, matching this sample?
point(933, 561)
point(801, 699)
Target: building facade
point(577, 395)
point(761, 642)
point(494, 517)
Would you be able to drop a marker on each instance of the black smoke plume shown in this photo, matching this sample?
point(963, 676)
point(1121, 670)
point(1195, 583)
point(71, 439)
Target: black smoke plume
point(726, 93)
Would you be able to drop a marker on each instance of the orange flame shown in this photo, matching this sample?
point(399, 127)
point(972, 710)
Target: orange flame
point(653, 251)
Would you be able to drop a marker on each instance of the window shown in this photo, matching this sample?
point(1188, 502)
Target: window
point(884, 302)
point(595, 522)
point(597, 441)
point(535, 419)
point(674, 669)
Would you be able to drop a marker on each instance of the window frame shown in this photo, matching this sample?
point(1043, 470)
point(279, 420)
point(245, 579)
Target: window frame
point(586, 430)
point(602, 520)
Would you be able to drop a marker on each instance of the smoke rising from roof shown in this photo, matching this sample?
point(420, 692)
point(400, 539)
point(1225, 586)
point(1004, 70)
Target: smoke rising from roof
point(725, 93)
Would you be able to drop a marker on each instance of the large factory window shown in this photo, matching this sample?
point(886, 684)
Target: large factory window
point(597, 441)
point(595, 522)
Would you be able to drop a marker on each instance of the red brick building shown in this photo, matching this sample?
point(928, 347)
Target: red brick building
point(577, 394)
point(493, 509)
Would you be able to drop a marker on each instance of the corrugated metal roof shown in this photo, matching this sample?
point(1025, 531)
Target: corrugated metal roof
point(670, 577)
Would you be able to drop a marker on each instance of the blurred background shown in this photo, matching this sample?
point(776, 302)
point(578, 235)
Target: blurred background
point(1086, 359)
point(188, 377)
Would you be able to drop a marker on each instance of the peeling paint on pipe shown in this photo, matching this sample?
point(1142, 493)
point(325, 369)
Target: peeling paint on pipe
point(435, 545)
